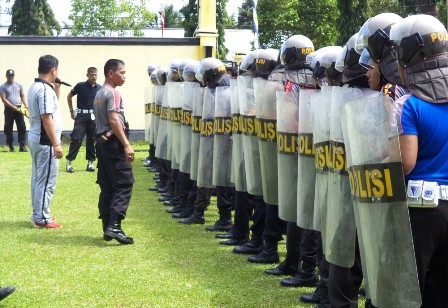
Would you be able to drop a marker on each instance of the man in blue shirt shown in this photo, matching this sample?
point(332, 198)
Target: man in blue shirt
point(84, 119)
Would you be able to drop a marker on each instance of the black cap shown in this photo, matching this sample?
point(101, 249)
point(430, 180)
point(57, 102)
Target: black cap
point(9, 72)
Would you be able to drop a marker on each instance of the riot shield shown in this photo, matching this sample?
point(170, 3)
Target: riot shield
point(222, 139)
point(198, 101)
point(205, 164)
point(306, 170)
point(148, 99)
point(321, 108)
point(265, 98)
point(158, 97)
point(162, 131)
point(186, 124)
point(379, 197)
point(340, 225)
point(238, 174)
point(176, 101)
point(287, 146)
point(249, 127)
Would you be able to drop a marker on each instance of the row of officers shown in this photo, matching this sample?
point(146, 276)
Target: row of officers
point(343, 147)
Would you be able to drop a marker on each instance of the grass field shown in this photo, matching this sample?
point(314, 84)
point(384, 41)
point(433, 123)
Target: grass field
point(170, 265)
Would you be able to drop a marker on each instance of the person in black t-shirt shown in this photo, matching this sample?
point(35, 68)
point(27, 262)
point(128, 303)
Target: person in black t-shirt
point(84, 119)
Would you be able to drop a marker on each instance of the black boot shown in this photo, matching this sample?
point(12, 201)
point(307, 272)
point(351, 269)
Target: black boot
point(225, 235)
point(281, 269)
point(176, 209)
point(253, 246)
point(324, 299)
point(268, 255)
point(105, 219)
point(197, 218)
point(305, 277)
point(114, 231)
point(186, 211)
point(224, 223)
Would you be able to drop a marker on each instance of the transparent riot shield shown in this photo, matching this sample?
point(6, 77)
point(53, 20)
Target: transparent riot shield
point(186, 125)
point(176, 101)
point(249, 127)
point(158, 97)
point(381, 213)
point(198, 101)
point(205, 164)
point(148, 99)
point(162, 133)
point(287, 146)
point(340, 225)
point(265, 98)
point(238, 174)
point(222, 139)
point(321, 108)
point(306, 170)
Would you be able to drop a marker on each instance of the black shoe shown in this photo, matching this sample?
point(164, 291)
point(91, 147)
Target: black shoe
point(172, 202)
point(183, 214)
point(164, 198)
point(176, 209)
point(11, 149)
point(314, 297)
point(193, 220)
point(362, 292)
point(153, 169)
point(250, 248)
point(221, 225)
point(264, 258)
point(155, 188)
point(114, 231)
point(22, 149)
point(280, 270)
point(225, 235)
point(5, 292)
point(162, 190)
point(300, 280)
point(234, 242)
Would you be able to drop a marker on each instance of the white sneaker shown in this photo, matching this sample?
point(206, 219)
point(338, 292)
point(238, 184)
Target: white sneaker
point(68, 167)
point(90, 166)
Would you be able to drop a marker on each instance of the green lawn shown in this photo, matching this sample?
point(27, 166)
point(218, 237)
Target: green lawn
point(170, 265)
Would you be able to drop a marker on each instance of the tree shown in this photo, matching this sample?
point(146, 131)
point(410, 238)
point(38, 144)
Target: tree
point(33, 17)
point(191, 17)
point(172, 18)
point(222, 21)
point(245, 15)
point(352, 15)
point(107, 17)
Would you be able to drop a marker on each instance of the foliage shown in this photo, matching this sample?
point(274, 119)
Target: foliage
point(222, 21)
point(352, 15)
point(33, 17)
point(191, 18)
point(172, 17)
point(170, 265)
point(109, 17)
point(245, 15)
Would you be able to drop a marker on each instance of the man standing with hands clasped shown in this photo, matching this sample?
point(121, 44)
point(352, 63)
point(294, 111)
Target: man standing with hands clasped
point(114, 153)
point(84, 119)
point(44, 139)
point(12, 96)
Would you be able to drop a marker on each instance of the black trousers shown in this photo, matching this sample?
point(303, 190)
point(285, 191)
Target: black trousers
point(202, 199)
point(430, 235)
point(185, 185)
point(114, 177)
point(165, 171)
point(84, 126)
point(301, 245)
point(274, 226)
point(12, 116)
point(344, 283)
point(244, 206)
point(258, 218)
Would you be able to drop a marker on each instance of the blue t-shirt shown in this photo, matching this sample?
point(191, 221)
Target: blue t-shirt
point(429, 122)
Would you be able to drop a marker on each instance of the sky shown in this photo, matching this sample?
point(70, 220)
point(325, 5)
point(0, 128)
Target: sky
point(61, 8)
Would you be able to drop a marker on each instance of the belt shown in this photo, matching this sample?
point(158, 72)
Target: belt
point(84, 110)
point(425, 194)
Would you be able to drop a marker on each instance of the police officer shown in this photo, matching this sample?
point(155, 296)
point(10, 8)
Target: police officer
point(422, 54)
point(84, 119)
point(147, 162)
point(13, 97)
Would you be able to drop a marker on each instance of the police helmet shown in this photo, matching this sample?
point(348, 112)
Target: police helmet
point(315, 60)
point(211, 70)
point(189, 70)
point(348, 57)
point(419, 37)
point(248, 62)
point(161, 75)
point(152, 68)
point(266, 62)
point(295, 49)
point(153, 77)
point(173, 73)
point(374, 35)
